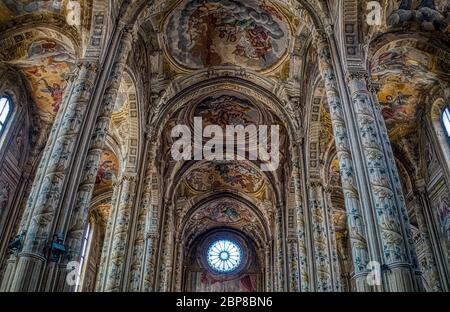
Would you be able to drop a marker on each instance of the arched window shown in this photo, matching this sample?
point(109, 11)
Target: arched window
point(224, 256)
point(5, 112)
point(446, 122)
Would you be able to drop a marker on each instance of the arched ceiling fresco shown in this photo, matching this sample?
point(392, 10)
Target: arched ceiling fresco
point(21, 7)
point(45, 57)
point(227, 108)
point(225, 175)
point(224, 212)
point(46, 65)
point(252, 34)
point(405, 73)
point(222, 108)
point(10, 9)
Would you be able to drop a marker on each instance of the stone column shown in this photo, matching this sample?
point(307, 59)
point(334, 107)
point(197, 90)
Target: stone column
point(166, 249)
point(332, 242)
point(294, 270)
point(150, 204)
point(137, 262)
point(268, 266)
point(323, 271)
point(430, 265)
point(300, 228)
point(353, 206)
point(79, 217)
point(150, 261)
point(51, 179)
point(107, 241)
point(279, 272)
point(386, 197)
point(120, 232)
point(178, 272)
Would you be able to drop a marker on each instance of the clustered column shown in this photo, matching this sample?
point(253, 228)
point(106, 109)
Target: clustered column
point(104, 258)
point(429, 265)
point(320, 238)
point(51, 177)
point(79, 217)
point(115, 264)
point(149, 202)
point(385, 191)
point(355, 219)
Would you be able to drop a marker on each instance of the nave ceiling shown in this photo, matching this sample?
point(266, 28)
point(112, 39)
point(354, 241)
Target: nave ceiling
point(230, 62)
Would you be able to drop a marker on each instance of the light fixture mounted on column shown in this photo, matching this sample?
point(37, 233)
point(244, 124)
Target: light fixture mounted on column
point(57, 248)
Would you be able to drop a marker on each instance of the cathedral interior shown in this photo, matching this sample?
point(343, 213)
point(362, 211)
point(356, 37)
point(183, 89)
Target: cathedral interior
point(92, 199)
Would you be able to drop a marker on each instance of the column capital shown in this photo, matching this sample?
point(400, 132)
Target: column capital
point(128, 176)
point(314, 184)
point(357, 74)
point(88, 63)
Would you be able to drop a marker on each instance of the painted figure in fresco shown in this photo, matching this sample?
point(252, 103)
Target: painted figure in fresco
point(105, 172)
point(394, 111)
point(335, 177)
point(238, 176)
point(226, 212)
point(41, 49)
point(56, 92)
point(212, 32)
point(213, 175)
point(226, 110)
point(45, 63)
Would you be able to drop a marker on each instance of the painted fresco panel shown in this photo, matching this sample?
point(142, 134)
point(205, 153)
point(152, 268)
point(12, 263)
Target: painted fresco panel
point(250, 33)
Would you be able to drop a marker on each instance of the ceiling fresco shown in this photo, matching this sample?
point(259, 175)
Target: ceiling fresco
point(221, 174)
point(45, 66)
point(108, 170)
point(227, 108)
point(10, 9)
point(45, 57)
point(224, 212)
point(404, 73)
point(23, 7)
point(203, 33)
